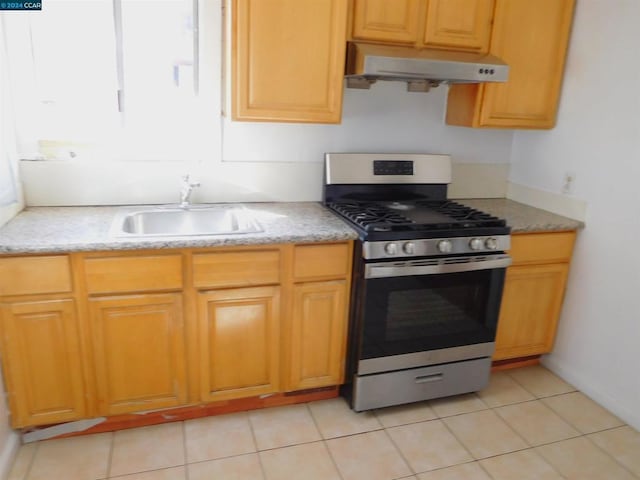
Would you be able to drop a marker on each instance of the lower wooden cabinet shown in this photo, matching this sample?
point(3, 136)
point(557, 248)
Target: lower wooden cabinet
point(530, 309)
point(239, 333)
point(112, 333)
point(533, 294)
point(317, 335)
point(42, 361)
point(139, 352)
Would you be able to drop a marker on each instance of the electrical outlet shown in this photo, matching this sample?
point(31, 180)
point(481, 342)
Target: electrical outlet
point(568, 183)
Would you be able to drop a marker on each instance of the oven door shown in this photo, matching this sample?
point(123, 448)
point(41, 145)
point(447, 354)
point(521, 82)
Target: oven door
point(423, 312)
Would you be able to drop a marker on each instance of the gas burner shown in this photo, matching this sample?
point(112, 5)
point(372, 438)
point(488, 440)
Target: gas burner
point(400, 206)
point(370, 215)
point(461, 216)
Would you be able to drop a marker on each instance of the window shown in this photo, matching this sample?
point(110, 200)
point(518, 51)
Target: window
point(8, 193)
point(108, 80)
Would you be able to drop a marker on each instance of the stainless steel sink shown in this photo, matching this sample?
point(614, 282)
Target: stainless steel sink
point(175, 221)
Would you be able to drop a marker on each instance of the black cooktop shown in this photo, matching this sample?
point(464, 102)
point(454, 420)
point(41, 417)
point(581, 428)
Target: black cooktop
point(417, 219)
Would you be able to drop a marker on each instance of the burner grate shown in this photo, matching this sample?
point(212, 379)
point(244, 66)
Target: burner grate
point(372, 216)
point(461, 215)
point(369, 214)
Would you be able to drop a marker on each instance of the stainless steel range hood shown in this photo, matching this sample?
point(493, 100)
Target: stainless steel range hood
point(421, 69)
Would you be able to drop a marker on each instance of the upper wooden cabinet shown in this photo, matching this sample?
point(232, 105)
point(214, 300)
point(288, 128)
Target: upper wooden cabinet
point(459, 24)
point(531, 37)
point(448, 24)
point(386, 20)
point(288, 60)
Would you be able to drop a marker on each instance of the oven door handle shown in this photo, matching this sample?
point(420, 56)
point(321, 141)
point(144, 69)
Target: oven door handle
point(455, 265)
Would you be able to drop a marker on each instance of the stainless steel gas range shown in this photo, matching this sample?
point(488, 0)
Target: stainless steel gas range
point(428, 279)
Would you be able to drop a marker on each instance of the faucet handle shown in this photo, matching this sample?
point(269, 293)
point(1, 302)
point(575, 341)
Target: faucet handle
point(186, 179)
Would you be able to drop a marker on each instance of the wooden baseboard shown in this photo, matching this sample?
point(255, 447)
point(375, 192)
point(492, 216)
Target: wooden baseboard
point(134, 420)
point(499, 365)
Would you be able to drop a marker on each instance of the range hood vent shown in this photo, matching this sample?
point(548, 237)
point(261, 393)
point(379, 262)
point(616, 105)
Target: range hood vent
point(421, 69)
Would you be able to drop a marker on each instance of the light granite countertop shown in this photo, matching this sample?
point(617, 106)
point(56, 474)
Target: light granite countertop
point(523, 218)
point(76, 229)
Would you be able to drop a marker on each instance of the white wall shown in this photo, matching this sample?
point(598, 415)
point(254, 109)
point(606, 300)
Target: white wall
point(598, 139)
point(8, 439)
point(270, 161)
point(8, 157)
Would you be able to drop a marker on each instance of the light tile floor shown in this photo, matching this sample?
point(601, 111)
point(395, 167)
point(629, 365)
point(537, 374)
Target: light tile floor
point(527, 424)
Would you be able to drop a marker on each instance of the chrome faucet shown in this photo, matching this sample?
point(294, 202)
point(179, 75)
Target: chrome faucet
point(185, 192)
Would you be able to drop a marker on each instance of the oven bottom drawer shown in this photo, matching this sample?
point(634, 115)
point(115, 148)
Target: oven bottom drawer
point(406, 386)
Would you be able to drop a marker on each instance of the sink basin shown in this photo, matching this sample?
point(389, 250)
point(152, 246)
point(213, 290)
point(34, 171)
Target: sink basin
point(214, 220)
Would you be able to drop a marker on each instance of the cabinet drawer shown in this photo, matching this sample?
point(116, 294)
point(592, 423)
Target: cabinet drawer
point(321, 261)
point(233, 269)
point(542, 247)
point(133, 274)
point(35, 275)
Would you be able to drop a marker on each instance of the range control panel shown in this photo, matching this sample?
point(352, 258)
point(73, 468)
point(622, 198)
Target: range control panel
point(435, 246)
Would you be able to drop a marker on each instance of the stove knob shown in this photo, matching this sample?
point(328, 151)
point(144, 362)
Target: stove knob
point(409, 248)
point(391, 249)
point(476, 244)
point(445, 246)
point(491, 243)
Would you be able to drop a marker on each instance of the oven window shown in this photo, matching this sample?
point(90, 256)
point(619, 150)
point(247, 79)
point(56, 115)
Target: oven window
point(436, 311)
point(411, 314)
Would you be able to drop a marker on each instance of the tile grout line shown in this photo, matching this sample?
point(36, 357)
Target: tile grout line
point(324, 441)
point(543, 396)
point(531, 447)
point(143, 472)
point(27, 474)
point(478, 461)
point(576, 426)
point(255, 444)
point(460, 441)
point(456, 465)
point(184, 449)
point(522, 436)
point(615, 460)
point(112, 446)
point(333, 460)
point(400, 452)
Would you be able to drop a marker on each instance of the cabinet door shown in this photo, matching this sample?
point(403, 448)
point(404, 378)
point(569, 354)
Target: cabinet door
point(459, 24)
point(239, 342)
point(42, 362)
point(288, 60)
point(318, 335)
point(138, 343)
point(395, 21)
point(531, 37)
point(530, 309)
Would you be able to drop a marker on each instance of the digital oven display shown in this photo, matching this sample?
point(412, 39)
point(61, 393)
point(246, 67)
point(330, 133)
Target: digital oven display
point(392, 167)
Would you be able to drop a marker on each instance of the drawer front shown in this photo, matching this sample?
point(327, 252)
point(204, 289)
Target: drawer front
point(234, 269)
point(321, 261)
point(35, 275)
point(542, 247)
point(133, 274)
point(416, 384)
